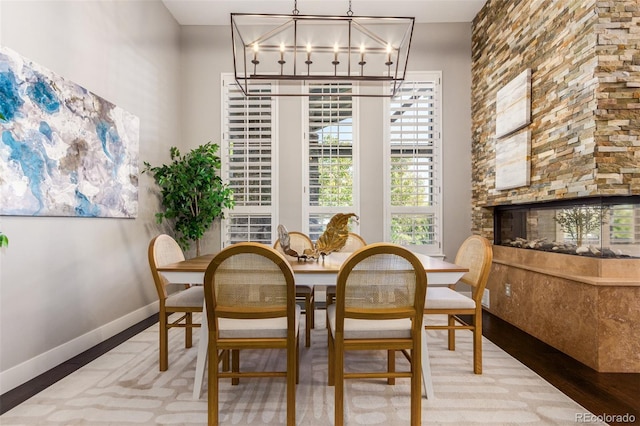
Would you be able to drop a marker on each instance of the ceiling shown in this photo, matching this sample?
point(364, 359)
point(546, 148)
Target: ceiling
point(216, 12)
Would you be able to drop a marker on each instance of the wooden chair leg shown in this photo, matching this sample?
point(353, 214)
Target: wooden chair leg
point(332, 359)
point(212, 399)
point(164, 337)
point(339, 382)
point(188, 339)
point(477, 344)
point(313, 308)
point(308, 307)
point(226, 357)
point(235, 365)
point(297, 361)
point(291, 383)
point(452, 333)
point(416, 384)
point(391, 366)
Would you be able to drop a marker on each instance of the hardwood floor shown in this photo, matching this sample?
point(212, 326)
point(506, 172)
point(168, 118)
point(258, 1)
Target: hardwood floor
point(599, 393)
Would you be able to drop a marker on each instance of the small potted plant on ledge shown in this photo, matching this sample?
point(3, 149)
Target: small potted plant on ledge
point(193, 194)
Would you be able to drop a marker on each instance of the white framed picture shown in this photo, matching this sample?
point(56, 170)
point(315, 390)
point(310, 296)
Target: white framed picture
point(513, 161)
point(513, 104)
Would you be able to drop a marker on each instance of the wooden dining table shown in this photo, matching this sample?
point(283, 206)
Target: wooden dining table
point(323, 271)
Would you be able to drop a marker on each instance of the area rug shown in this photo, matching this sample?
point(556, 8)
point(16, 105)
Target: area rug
point(124, 387)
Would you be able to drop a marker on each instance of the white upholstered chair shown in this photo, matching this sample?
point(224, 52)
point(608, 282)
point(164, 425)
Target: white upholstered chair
point(476, 254)
point(250, 297)
point(379, 302)
point(164, 250)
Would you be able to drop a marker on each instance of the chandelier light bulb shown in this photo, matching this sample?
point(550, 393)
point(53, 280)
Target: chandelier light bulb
point(255, 54)
point(388, 63)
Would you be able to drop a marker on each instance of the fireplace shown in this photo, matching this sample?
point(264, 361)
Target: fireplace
point(603, 227)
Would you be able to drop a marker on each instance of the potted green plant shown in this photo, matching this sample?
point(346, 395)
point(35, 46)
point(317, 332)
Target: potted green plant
point(193, 194)
point(4, 241)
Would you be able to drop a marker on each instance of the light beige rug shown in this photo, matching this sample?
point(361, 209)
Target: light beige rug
point(124, 387)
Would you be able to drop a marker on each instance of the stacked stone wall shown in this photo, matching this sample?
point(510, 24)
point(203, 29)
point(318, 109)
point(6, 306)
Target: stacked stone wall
point(618, 96)
point(585, 99)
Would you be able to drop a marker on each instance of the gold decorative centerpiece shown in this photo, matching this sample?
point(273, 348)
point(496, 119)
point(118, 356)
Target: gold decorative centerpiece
point(332, 239)
point(335, 236)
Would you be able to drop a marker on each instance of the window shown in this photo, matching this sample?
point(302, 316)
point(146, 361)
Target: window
point(248, 163)
point(414, 206)
point(624, 222)
point(331, 171)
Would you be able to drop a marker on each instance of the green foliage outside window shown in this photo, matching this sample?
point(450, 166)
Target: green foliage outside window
point(335, 181)
point(622, 222)
point(412, 229)
point(411, 186)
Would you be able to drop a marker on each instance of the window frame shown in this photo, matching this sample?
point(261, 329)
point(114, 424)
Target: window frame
point(307, 209)
point(437, 210)
point(249, 210)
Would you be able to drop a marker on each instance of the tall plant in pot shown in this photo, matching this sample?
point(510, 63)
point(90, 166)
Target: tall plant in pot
point(193, 194)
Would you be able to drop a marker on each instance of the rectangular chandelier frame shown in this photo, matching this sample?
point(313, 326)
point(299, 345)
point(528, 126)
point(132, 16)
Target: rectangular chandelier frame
point(299, 48)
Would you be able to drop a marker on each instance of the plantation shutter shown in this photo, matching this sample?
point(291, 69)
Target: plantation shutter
point(331, 172)
point(415, 163)
point(249, 163)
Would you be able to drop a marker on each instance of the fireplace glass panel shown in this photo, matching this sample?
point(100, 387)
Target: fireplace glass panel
point(600, 227)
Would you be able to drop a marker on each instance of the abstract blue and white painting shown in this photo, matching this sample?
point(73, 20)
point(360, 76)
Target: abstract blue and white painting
point(63, 150)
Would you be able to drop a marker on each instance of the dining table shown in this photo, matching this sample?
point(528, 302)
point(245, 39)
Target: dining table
point(312, 272)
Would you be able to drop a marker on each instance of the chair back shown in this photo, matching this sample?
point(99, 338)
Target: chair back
point(476, 254)
point(163, 250)
point(297, 241)
point(249, 281)
point(353, 243)
point(381, 281)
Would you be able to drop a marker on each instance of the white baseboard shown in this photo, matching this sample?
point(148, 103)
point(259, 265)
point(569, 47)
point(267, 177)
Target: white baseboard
point(22, 373)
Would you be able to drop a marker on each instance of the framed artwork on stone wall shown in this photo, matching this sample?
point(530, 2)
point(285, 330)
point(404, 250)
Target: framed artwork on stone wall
point(64, 151)
point(513, 150)
point(513, 104)
point(513, 160)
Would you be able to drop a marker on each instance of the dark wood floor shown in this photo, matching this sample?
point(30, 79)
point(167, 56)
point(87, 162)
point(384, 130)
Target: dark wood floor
point(599, 393)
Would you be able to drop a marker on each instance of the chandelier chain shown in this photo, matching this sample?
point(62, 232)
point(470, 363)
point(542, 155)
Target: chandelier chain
point(295, 8)
point(349, 12)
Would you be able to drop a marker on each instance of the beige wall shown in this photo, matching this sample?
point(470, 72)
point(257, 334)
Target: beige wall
point(435, 47)
point(66, 283)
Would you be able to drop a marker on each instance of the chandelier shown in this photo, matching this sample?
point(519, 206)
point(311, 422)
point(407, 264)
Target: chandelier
point(291, 49)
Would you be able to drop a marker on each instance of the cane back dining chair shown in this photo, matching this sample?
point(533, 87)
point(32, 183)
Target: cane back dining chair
point(476, 254)
point(299, 242)
point(379, 302)
point(164, 250)
point(354, 242)
point(250, 298)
